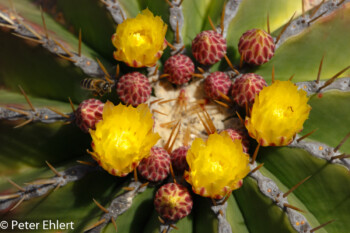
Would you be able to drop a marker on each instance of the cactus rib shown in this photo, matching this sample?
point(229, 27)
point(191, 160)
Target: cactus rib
point(176, 21)
point(270, 189)
point(312, 87)
point(41, 187)
point(231, 10)
point(118, 206)
point(304, 21)
point(44, 115)
point(166, 228)
point(118, 14)
point(87, 65)
point(322, 151)
point(220, 211)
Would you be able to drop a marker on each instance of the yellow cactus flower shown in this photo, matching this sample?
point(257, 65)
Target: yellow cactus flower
point(123, 137)
point(278, 113)
point(217, 166)
point(140, 41)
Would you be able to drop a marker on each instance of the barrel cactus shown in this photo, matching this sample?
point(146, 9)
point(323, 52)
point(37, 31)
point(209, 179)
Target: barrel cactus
point(92, 89)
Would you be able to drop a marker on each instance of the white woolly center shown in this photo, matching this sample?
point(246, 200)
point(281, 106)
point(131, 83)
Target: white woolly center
point(194, 94)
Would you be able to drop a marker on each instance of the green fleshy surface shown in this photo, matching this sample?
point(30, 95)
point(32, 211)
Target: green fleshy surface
point(131, 7)
point(194, 12)
point(38, 71)
point(184, 225)
point(135, 218)
point(253, 14)
point(97, 26)
point(31, 145)
point(325, 196)
point(18, 100)
point(301, 55)
point(235, 216)
point(259, 212)
point(204, 219)
point(68, 204)
point(330, 116)
point(32, 15)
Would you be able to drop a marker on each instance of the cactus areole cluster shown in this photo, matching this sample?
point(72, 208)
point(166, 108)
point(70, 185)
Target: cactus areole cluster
point(214, 166)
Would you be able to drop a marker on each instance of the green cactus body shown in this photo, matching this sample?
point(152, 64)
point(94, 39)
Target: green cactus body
point(48, 62)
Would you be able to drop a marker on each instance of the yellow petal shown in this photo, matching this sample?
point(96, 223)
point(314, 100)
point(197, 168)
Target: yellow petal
point(140, 41)
point(216, 166)
point(123, 137)
point(278, 113)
